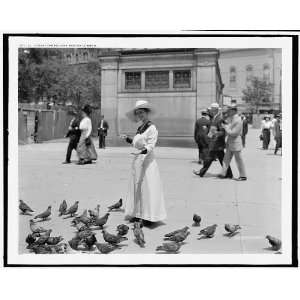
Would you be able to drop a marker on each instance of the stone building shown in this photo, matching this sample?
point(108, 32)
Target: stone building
point(239, 65)
point(177, 82)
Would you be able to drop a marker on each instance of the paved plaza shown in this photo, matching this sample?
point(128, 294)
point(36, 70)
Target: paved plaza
point(254, 204)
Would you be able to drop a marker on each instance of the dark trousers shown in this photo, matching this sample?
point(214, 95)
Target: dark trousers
point(72, 145)
point(101, 140)
point(244, 140)
point(201, 150)
point(210, 157)
point(278, 144)
point(266, 138)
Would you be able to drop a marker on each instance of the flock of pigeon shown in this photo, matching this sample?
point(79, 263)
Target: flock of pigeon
point(40, 241)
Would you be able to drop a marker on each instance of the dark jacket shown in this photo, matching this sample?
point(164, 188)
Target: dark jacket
point(245, 126)
point(103, 130)
point(202, 126)
point(219, 143)
point(74, 131)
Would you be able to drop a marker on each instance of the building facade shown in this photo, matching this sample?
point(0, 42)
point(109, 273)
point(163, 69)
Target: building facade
point(177, 82)
point(239, 65)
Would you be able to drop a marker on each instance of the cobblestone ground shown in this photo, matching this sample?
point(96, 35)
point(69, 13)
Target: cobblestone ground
point(254, 204)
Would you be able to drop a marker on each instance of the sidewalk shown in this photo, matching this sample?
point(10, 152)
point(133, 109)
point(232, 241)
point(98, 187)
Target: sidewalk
point(254, 204)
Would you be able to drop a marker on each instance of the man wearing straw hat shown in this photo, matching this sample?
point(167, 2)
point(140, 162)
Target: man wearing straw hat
point(234, 145)
point(145, 201)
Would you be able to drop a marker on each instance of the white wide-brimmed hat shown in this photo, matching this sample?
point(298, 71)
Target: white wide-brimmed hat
point(138, 105)
point(215, 105)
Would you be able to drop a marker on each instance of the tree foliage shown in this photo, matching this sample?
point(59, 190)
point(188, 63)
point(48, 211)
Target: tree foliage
point(257, 93)
point(44, 73)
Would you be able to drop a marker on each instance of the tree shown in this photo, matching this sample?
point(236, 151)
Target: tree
point(43, 73)
point(259, 92)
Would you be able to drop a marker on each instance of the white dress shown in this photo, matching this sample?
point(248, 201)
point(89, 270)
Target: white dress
point(145, 199)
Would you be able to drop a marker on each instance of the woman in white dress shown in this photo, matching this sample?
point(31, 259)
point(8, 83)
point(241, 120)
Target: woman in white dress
point(145, 200)
point(85, 149)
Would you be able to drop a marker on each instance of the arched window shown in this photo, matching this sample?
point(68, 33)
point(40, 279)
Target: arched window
point(249, 72)
point(232, 77)
point(266, 72)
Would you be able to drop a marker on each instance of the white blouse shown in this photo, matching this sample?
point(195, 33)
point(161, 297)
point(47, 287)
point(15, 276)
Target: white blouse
point(86, 127)
point(266, 124)
point(147, 139)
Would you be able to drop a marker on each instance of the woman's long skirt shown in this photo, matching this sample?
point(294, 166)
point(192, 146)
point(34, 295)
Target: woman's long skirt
point(145, 199)
point(84, 152)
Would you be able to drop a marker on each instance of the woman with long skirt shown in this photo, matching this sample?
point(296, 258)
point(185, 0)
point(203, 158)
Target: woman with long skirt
point(266, 125)
point(145, 202)
point(85, 149)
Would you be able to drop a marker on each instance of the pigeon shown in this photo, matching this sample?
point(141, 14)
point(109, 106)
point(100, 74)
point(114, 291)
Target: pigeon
point(59, 249)
point(83, 234)
point(232, 228)
point(116, 205)
point(47, 249)
point(44, 215)
point(74, 243)
point(95, 214)
point(177, 231)
point(72, 210)
point(100, 222)
point(24, 207)
point(106, 248)
point(178, 237)
point(196, 219)
point(113, 239)
point(83, 219)
point(171, 247)
point(40, 249)
point(44, 238)
point(81, 227)
point(30, 239)
point(35, 228)
point(122, 229)
point(139, 234)
point(62, 208)
point(54, 240)
point(209, 231)
point(90, 241)
point(274, 242)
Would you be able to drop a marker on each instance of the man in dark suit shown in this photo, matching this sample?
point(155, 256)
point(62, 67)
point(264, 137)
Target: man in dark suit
point(73, 134)
point(216, 150)
point(102, 132)
point(200, 134)
point(245, 129)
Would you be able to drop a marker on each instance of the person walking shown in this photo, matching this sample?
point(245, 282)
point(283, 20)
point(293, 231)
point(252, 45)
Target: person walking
point(73, 134)
point(266, 126)
point(234, 144)
point(278, 134)
point(102, 132)
point(216, 150)
point(245, 129)
point(145, 200)
point(200, 134)
point(85, 149)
